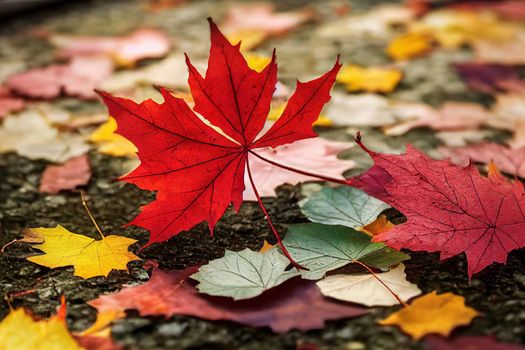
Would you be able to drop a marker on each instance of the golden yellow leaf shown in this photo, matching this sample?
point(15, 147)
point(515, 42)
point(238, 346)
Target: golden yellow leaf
point(111, 143)
point(374, 79)
point(275, 113)
point(379, 225)
point(18, 331)
point(432, 313)
point(266, 246)
point(88, 256)
point(256, 62)
point(249, 38)
point(409, 45)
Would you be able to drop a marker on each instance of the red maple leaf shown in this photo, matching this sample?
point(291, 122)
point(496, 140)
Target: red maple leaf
point(449, 209)
point(296, 304)
point(197, 169)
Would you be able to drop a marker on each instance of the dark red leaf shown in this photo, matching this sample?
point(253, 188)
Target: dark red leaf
point(449, 209)
point(296, 304)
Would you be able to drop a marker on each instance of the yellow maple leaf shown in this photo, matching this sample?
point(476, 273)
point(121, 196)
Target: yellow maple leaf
point(275, 113)
point(409, 45)
point(18, 331)
point(374, 79)
point(88, 256)
point(111, 143)
point(379, 225)
point(432, 313)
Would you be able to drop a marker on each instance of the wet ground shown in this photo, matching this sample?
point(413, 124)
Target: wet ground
point(498, 293)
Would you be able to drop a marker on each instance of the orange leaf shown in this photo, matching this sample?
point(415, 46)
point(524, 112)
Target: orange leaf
point(432, 313)
point(380, 225)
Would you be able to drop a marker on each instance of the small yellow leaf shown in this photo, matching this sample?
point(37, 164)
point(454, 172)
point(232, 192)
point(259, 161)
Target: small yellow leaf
point(256, 62)
point(249, 38)
point(432, 313)
point(275, 113)
point(18, 331)
point(379, 225)
point(89, 257)
point(266, 246)
point(373, 79)
point(111, 143)
point(409, 45)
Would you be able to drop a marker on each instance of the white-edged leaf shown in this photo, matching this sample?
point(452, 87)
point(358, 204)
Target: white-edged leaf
point(244, 274)
point(365, 289)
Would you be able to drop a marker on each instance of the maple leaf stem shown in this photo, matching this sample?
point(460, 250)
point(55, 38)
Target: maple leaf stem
point(302, 172)
point(358, 140)
point(89, 213)
point(276, 234)
point(8, 244)
point(380, 281)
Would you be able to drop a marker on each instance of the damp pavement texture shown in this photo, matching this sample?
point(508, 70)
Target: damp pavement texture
point(498, 292)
